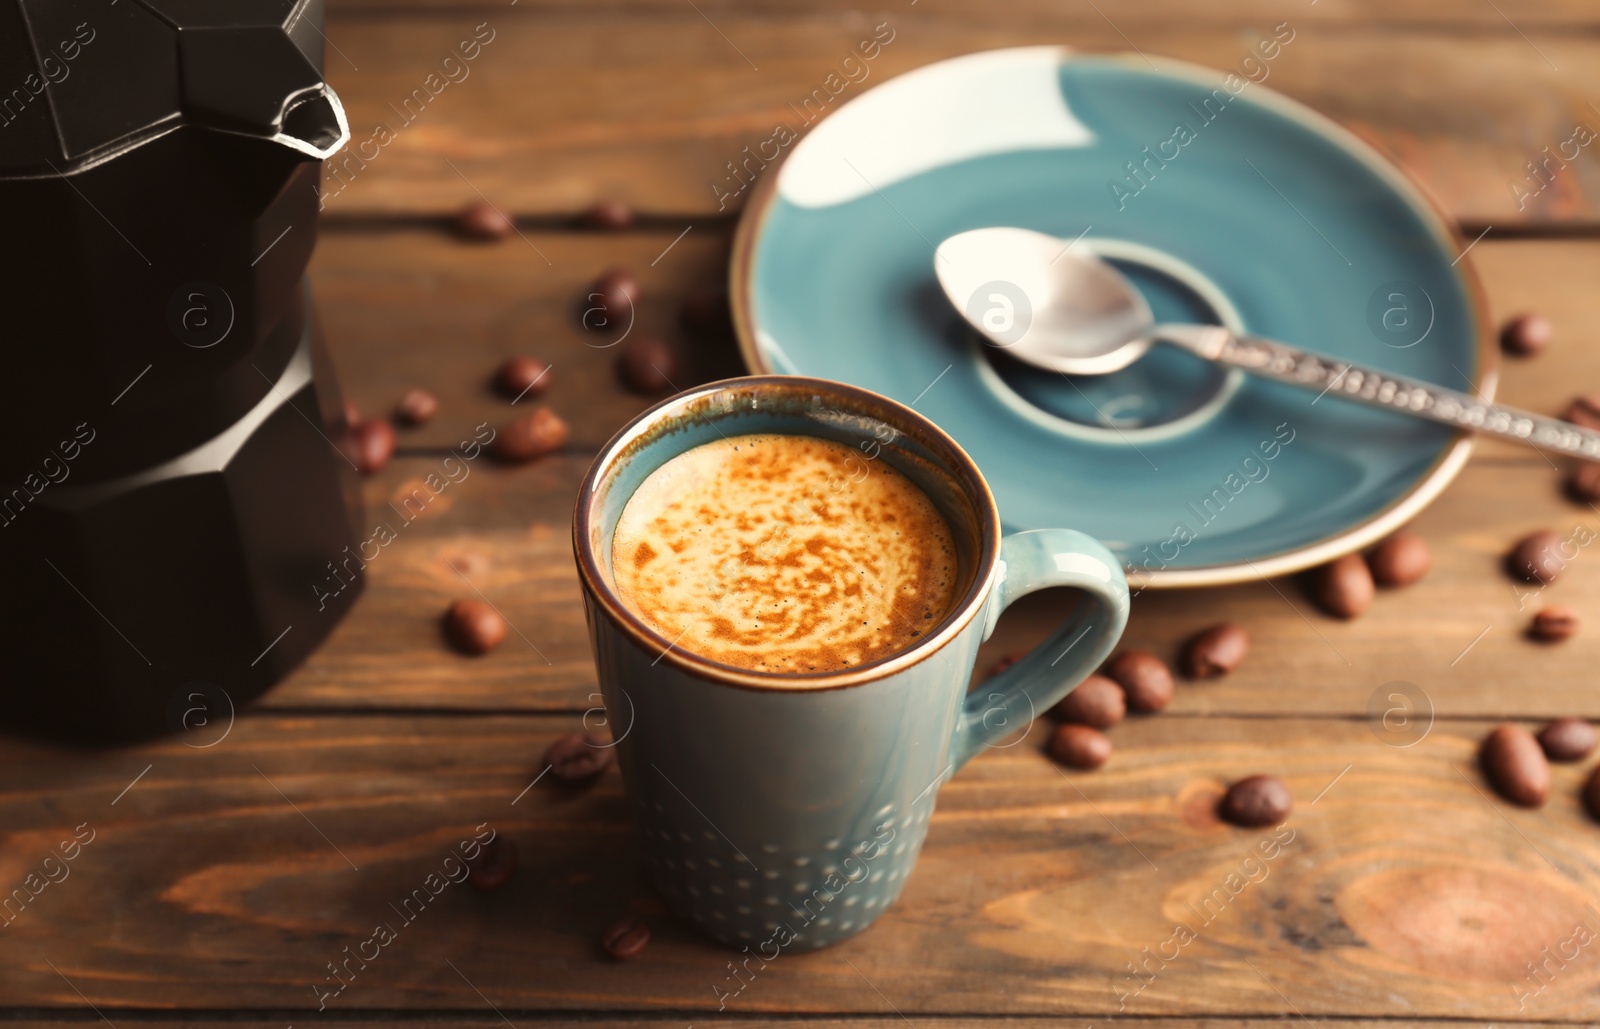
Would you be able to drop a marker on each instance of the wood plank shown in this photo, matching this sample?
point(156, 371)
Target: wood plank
point(1548, 277)
point(471, 1020)
point(510, 530)
point(1436, 15)
point(416, 307)
point(503, 532)
point(204, 886)
point(561, 109)
point(408, 307)
point(1458, 636)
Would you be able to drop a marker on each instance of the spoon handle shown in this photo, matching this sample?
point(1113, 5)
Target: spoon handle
point(1324, 375)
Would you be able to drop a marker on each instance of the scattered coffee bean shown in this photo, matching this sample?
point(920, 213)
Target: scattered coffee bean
point(1216, 651)
point(1526, 335)
point(519, 377)
point(1343, 587)
point(1097, 702)
point(493, 866)
point(1079, 746)
point(1553, 624)
point(1516, 765)
point(1400, 560)
point(473, 626)
point(1591, 793)
point(1256, 800)
point(1537, 558)
point(608, 304)
point(645, 365)
point(579, 756)
point(1583, 485)
point(371, 445)
point(1585, 411)
point(482, 220)
point(416, 407)
point(611, 215)
point(626, 939)
point(1006, 661)
point(1145, 679)
point(706, 309)
point(530, 436)
point(1567, 739)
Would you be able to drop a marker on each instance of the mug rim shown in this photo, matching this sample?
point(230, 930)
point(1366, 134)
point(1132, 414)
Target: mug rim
point(955, 621)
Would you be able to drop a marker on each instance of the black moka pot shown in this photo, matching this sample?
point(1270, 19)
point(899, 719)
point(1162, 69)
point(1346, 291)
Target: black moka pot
point(170, 493)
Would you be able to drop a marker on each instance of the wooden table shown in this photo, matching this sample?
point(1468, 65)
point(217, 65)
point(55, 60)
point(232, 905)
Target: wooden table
point(221, 882)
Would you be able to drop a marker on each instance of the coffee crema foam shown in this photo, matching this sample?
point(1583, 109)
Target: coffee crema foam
point(784, 554)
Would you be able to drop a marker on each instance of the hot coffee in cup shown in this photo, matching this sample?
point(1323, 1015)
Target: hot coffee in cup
point(784, 553)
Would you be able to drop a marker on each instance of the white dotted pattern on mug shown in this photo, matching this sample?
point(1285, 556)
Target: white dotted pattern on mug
point(708, 867)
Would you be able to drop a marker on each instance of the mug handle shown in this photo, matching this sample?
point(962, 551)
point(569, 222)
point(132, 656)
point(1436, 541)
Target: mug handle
point(1036, 560)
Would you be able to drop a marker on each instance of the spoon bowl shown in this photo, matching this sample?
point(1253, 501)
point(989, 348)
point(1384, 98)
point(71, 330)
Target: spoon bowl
point(1044, 300)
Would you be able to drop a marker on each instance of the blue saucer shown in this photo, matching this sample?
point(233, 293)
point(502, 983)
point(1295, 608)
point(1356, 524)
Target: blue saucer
point(1225, 203)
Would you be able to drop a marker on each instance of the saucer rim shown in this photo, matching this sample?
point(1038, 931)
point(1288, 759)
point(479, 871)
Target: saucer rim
point(1381, 523)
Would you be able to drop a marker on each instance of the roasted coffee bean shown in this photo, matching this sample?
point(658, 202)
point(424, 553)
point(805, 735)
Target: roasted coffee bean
point(1591, 793)
point(579, 756)
point(611, 215)
point(1583, 485)
point(493, 866)
point(1516, 765)
point(1145, 680)
point(416, 407)
point(1343, 587)
point(484, 221)
point(473, 626)
point(519, 377)
point(1526, 335)
point(371, 445)
point(626, 939)
point(1097, 702)
point(1256, 800)
point(645, 365)
point(1400, 560)
point(530, 436)
point(1585, 411)
point(1567, 739)
point(1079, 746)
point(1553, 624)
point(1216, 651)
point(1537, 557)
point(608, 304)
point(706, 310)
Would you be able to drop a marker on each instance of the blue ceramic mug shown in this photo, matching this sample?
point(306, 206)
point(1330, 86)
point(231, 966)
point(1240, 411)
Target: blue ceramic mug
point(784, 812)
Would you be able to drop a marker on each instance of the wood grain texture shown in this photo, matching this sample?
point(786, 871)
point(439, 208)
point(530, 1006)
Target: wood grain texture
point(1547, 277)
point(561, 109)
point(224, 874)
point(417, 307)
point(455, 1020)
point(230, 876)
point(502, 532)
point(1441, 16)
point(473, 1020)
point(408, 307)
point(1458, 636)
point(509, 530)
